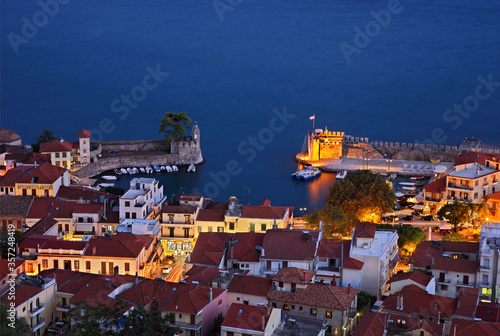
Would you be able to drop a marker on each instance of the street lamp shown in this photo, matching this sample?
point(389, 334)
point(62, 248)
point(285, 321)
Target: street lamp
point(389, 163)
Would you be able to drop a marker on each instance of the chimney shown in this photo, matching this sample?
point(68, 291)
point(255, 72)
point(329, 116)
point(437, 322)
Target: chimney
point(94, 250)
point(263, 321)
point(136, 280)
point(349, 289)
point(334, 281)
point(108, 283)
point(274, 225)
point(439, 317)
point(402, 306)
point(305, 277)
point(210, 294)
point(262, 254)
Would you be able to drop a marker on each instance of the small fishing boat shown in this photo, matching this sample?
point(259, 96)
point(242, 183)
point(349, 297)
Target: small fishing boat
point(117, 171)
point(169, 169)
point(409, 191)
point(149, 170)
point(341, 175)
point(157, 169)
point(392, 177)
point(130, 171)
point(417, 177)
point(105, 185)
point(191, 168)
point(174, 168)
point(109, 178)
point(408, 183)
point(124, 171)
point(307, 173)
point(142, 170)
point(162, 168)
point(135, 170)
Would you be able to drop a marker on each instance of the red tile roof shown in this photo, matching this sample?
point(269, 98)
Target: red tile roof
point(112, 217)
point(374, 324)
point(265, 202)
point(265, 212)
point(294, 275)
point(332, 248)
point(7, 135)
point(479, 157)
point(64, 245)
point(210, 215)
point(13, 175)
point(5, 269)
point(76, 193)
point(178, 209)
point(250, 285)
point(62, 209)
point(418, 301)
point(191, 198)
point(352, 263)
point(116, 247)
point(246, 317)
point(429, 253)
point(11, 205)
point(44, 174)
point(35, 241)
point(88, 208)
point(203, 275)
point(467, 328)
point(416, 276)
point(42, 226)
point(488, 312)
point(317, 295)
point(436, 186)
point(23, 294)
point(365, 230)
point(494, 196)
point(29, 158)
point(56, 146)
point(175, 297)
point(290, 244)
point(467, 300)
point(40, 207)
point(83, 134)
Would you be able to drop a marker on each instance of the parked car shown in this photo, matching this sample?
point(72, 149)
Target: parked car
point(407, 218)
point(428, 218)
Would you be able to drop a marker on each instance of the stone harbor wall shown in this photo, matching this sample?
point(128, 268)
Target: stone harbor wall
point(134, 146)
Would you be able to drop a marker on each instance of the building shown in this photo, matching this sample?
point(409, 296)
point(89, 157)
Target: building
point(248, 290)
point(493, 202)
point(41, 181)
point(210, 220)
point(13, 211)
point(296, 292)
point(201, 275)
point(6, 274)
point(178, 228)
point(489, 264)
point(332, 261)
point(453, 264)
point(191, 200)
point(34, 301)
point(84, 146)
point(13, 160)
point(144, 199)
point(9, 137)
point(324, 145)
point(192, 308)
point(288, 248)
point(400, 280)
point(378, 251)
point(242, 320)
point(380, 324)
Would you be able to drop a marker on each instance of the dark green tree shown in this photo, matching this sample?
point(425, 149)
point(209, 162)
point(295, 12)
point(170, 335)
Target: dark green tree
point(115, 190)
point(87, 320)
point(174, 125)
point(141, 321)
point(7, 239)
point(46, 136)
point(11, 325)
point(362, 195)
point(408, 236)
point(335, 222)
point(215, 331)
point(365, 298)
point(457, 214)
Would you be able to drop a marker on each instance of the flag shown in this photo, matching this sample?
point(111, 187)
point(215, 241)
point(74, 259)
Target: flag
point(312, 117)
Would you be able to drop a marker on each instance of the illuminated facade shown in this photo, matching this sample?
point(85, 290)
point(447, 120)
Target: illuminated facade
point(325, 145)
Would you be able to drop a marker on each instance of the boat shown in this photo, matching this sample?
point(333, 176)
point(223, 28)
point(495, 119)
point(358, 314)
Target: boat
point(135, 170)
point(191, 168)
point(109, 178)
point(163, 168)
point(341, 175)
point(130, 171)
point(307, 173)
point(408, 183)
point(149, 170)
point(409, 191)
point(392, 177)
point(157, 169)
point(417, 177)
point(142, 170)
point(169, 169)
point(105, 185)
point(174, 168)
point(118, 171)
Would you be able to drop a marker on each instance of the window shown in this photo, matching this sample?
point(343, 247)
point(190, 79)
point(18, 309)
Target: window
point(300, 307)
point(262, 227)
point(245, 302)
point(172, 231)
point(485, 279)
point(209, 229)
point(127, 267)
point(64, 154)
point(170, 218)
point(87, 264)
point(57, 155)
point(487, 263)
point(219, 303)
point(127, 214)
point(127, 203)
point(314, 311)
point(220, 229)
point(280, 284)
point(199, 229)
point(84, 142)
point(134, 215)
point(444, 287)
point(294, 288)
point(252, 227)
point(45, 263)
point(285, 264)
point(328, 314)
point(231, 226)
point(230, 333)
point(186, 233)
point(187, 219)
point(77, 264)
point(286, 306)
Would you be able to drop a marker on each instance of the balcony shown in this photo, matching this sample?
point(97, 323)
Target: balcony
point(484, 268)
point(62, 307)
point(462, 284)
point(443, 281)
point(36, 310)
point(459, 186)
point(271, 270)
point(432, 199)
point(459, 199)
point(184, 325)
point(329, 269)
point(57, 327)
point(484, 284)
point(38, 324)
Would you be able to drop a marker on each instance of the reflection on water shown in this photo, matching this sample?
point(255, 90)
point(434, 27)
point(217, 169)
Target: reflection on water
point(316, 189)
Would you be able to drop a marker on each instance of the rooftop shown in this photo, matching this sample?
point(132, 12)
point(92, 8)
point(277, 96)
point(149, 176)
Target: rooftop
point(203, 275)
point(178, 209)
point(379, 245)
point(210, 215)
point(286, 244)
point(364, 230)
point(250, 285)
point(294, 275)
point(11, 205)
point(473, 172)
point(246, 317)
point(416, 276)
point(42, 226)
point(7, 135)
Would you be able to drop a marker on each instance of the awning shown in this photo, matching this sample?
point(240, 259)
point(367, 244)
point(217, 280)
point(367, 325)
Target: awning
point(395, 260)
point(84, 227)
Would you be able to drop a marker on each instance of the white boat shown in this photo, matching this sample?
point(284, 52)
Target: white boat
point(142, 170)
point(135, 170)
point(191, 168)
point(124, 171)
point(174, 168)
point(157, 169)
point(409, 191)
point(109, 178)
point(169, 169)
point(130, 171)
point(105, 185)
point(307, 173)
point(163, 168)
point(341, 175)
point(407, 183)
point(117, 171)
point(149, 170)
point(392, 177)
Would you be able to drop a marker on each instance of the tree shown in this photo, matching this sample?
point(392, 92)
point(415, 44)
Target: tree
point(46, 136)
point(174, 125)
point(478, 213)
point(215, 331)
point(365, 298)
point(335, 222)
point(457, 214)
point(87, 320)
point(141, 321)
point(408, 236)
point(10, 325)
point(363, 196)
point(115, 190)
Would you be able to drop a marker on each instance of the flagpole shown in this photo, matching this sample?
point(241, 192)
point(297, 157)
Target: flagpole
point(314, 119)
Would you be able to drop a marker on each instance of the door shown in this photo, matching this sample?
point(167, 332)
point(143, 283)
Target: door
point(441, 277)
point(172, 317)
point(103, 267)
point(67, 265)
point(466, 279)
point(193, 319)
point(56, 263)
point(111, 266)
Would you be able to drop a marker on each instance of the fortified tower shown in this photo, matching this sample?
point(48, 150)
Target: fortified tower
point(84, 143)
point(325, 145)
point(189, 148)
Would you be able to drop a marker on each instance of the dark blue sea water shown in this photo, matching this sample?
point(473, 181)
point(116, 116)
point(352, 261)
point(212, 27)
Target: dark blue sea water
point(229, 75)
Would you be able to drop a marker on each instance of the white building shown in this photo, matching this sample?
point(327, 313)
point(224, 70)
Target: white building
point(144, 199)
point(488, 275)
point(143, 227)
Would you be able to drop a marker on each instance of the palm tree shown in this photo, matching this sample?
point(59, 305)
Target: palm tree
point(46, 136)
